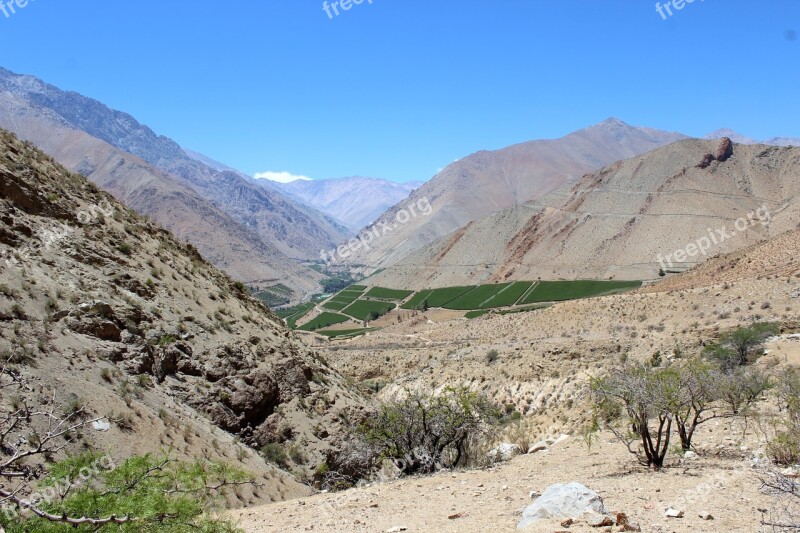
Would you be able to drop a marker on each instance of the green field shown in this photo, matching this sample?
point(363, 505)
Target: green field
point(359, 288)
point(436, 297)
point(324, 320)
point(387, 294)
point(342, 299)
point(362, 309)
point(557, 291)
point(342, 333)
point(508, 295)
point(477, 297)
point(293, 314)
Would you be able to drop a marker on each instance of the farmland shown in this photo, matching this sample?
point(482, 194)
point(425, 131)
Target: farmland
point(324, 320)
point(370, 303)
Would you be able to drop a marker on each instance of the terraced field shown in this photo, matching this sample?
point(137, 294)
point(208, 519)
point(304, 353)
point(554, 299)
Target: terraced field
point(557, 291)
point(324, 320)
point(368, 309)
point(383, 293)
point(435, 297)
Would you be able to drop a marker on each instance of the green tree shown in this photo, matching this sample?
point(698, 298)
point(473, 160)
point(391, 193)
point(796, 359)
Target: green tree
point(741, 346)
point(424, 433)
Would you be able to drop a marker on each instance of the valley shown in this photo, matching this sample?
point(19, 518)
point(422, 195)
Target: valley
point(423, 268)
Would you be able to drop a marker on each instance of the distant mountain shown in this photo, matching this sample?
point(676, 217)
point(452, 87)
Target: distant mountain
point(294, 230)
point(254, 233)
point(624, 221)
point(355, 201)
point(742, 139)
point(488, 181)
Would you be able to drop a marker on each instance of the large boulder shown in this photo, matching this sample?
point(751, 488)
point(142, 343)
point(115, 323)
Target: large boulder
point(562, 501)
point(503, 452)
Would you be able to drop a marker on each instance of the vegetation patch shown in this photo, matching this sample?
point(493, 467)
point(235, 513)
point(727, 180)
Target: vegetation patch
point(368, 309)
point(344, 333)
point(557, 291)
point(388, 294)
point(435, 297)
point(478, 296)
point(507, 296)
point(324, 320)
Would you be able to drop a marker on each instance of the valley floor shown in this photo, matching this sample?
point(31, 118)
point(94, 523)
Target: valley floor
point(721, 481)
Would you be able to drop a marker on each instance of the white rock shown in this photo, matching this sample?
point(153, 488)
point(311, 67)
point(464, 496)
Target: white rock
point(504, 452)
point(705, 515)
point(101, 425)
point(561, 439)
point(690, 455)
point(562, 501)
point(673, 513)
point(396, 529)
point(540, 446)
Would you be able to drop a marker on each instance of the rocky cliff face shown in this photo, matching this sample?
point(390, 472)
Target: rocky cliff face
point(102, 307)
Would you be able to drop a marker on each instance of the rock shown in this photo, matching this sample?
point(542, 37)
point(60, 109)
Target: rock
point(705, 515)
point(690, 455)
point(625, 524)
point(101, 425)
point(673, 513)
point(504, 452)
point(396, 529)
point(595, 519)
point(791, 472)
point(562, 501)
point(540, 446)
point(568, 522)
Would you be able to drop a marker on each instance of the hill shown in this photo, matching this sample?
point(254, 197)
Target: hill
point(625, 221)
point(103, 309)
point(489, 181)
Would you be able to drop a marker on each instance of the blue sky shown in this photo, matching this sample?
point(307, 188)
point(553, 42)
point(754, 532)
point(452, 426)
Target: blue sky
point(400, 88)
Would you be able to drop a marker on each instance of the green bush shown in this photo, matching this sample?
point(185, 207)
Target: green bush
point(424, 433)
point(149, 493)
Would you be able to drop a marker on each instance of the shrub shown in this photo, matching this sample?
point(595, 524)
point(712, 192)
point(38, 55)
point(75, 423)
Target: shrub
point(423, 433)
point(740, 346)
point(275, 454)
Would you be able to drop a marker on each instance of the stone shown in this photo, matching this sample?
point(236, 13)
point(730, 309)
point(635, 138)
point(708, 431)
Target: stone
point(673, 513)
point(562, 501)
point(690, 455)
point(504, 452)
point(540, 446)
point(705, 515)
point(101, 425)
point(396, 529)
point(595, 519)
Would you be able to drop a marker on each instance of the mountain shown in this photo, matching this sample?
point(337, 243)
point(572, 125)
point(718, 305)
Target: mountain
point(488, 181)
point(625, 221)
point(254, 233)
point(355, 201)
point(742, 139)
point(103, 309)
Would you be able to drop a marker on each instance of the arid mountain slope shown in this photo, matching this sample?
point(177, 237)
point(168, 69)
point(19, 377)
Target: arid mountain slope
point(488, 181)
point(107, 310)
point(625, 221)
point(356, 201)
point(742, 139)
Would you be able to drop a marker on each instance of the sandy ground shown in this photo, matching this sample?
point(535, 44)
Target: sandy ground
point(722, 481)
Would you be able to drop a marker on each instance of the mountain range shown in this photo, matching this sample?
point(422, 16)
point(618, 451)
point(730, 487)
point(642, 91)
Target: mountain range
point(626, 221)
point(355, 201)
point(258, 235)
point(489, 181)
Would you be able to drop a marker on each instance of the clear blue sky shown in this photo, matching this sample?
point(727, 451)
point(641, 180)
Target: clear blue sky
point(400, 88)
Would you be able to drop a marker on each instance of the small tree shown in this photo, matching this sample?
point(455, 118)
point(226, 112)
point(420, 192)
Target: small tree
point(424, 433)
point(741, 346)
point(638, 404)
point(697, 394)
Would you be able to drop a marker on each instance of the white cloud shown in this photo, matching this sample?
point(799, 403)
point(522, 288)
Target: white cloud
point(280, 177)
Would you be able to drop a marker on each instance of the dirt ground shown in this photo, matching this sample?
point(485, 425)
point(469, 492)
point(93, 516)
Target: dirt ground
point(722, 480)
